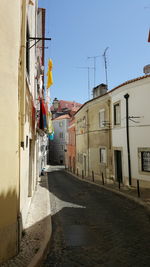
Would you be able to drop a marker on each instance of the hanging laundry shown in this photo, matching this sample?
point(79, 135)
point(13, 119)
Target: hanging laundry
point(42, 122)
point(49, 74)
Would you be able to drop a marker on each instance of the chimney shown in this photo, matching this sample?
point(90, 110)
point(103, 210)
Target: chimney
point(146, 69)
point(55, 104)
point(99, 90)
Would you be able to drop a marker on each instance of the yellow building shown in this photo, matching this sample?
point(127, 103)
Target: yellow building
point(17, 122)
point(93, 137)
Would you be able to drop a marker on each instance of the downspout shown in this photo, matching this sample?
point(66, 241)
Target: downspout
point(109, 124)
point(128, 141)
point(87, 111)
point(109, 138)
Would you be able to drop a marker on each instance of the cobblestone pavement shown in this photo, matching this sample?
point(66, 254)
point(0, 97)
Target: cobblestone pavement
point(95, 227)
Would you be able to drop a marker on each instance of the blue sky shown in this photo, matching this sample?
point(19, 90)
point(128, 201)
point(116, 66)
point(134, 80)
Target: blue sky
point(84, 28)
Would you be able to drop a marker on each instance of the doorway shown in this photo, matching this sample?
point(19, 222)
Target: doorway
point(118, 165)
point(30, 170)
point(84, 165)
point(73, 164)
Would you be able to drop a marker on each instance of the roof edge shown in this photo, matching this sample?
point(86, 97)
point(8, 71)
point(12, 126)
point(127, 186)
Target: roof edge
point(115, 88)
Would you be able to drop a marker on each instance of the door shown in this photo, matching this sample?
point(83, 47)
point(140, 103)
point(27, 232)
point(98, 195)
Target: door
point(70, 163)
point(118, 165)
point(74, 164)
point(30, 169)
point(84, 165)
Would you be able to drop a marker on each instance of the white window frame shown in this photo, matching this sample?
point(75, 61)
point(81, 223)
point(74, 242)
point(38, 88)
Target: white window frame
point(102, 122)
point(117, 117)
point(143, 169)
point(60, 124)
point(103, 157)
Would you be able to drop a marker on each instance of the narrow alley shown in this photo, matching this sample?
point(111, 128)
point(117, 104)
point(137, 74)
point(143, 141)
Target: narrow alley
point(94, 227)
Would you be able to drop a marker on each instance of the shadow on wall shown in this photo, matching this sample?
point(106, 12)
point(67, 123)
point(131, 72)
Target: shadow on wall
point(37, 231)
point(30, 245)
point(9, 225)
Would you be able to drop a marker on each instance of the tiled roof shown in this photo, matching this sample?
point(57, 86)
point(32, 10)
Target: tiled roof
point(66, 116)
point(67, 104)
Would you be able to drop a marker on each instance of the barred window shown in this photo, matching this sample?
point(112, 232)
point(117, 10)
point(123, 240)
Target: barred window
point(145, 161)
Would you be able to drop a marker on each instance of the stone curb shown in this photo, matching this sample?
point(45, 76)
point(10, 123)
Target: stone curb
point(38, 258)
point(132, 198)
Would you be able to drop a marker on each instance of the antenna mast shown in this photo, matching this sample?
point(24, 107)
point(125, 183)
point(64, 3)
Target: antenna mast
point(88, 69)
point(94, 57)
point(105, 62)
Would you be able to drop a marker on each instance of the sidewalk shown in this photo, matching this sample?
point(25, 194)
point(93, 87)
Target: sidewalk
point(37, 231)
point(126, 191)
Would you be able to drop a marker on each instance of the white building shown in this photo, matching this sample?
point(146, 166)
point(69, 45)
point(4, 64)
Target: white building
point(59, 145)
point(131, 131)
point(42, 139)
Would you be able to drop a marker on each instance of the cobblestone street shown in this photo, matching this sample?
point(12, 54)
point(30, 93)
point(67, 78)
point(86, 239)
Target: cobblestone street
point(95, 227)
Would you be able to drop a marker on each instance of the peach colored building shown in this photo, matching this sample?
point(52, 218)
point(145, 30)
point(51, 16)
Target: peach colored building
point(71, 146)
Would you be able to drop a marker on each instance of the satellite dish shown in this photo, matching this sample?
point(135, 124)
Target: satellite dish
point(146, 69)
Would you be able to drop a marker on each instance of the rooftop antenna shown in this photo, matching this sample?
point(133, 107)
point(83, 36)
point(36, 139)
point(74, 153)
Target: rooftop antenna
point(105, 61)
point(94, 58)
point(88, 69)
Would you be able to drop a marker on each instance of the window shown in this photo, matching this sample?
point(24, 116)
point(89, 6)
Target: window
point(26, 140)
point(102, 118)
point(78, 157)
point(102, 153)
point(61, 135)
point(145, 161)
point(117, 114)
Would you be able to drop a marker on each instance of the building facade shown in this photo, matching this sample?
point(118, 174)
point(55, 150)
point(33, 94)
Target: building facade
point(41, 135)
point(71, 146)
point(130, 131)
point(18, 85)
point(62, 112)
point(93, 138)
point(58, 146)
point(9, 134)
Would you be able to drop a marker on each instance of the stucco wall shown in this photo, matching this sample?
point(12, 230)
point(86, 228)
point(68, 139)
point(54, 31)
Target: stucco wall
point(58, 145)
point(10, 16)
point(27, 152)
point(90, 137)
point(139, 128)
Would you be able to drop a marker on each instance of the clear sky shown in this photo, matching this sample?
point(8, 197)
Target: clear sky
point(85, 28)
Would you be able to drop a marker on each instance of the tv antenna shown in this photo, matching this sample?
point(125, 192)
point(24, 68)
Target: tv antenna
point(88, 69)
point(94, 58)
point(105, 62)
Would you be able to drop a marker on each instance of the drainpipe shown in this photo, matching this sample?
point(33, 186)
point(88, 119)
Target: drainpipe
point(88, 141)
point(109, 124)
point(127, 132)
